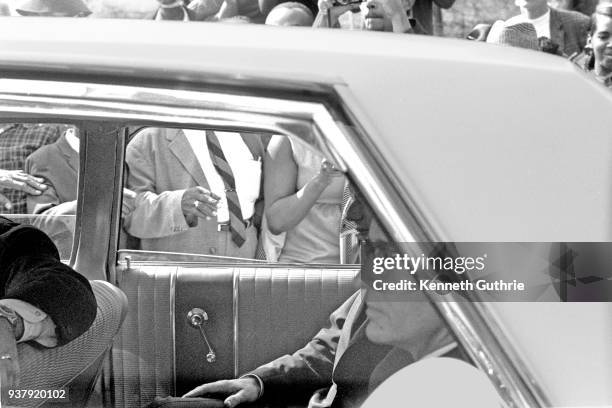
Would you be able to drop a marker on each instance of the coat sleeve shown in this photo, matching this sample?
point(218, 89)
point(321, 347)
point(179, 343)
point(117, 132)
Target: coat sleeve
point(37, 204)
point(156, 214)
point(32, 272)
point(309, 368)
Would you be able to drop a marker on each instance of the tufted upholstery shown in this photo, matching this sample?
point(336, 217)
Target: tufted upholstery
point(275, 311)
point(279, 310)
point(76, 365)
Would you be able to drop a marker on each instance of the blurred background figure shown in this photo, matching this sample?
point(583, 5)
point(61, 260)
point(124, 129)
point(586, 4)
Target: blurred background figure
point(598, 55)
point(290, 14)
point(173, 10)
point(522, 35)
point(18, 141)
point(53, 8)
point(204, 9)
point(567, 29)
point(422, 11)
point(4, 9)
point(369, 15)
point(586, 7)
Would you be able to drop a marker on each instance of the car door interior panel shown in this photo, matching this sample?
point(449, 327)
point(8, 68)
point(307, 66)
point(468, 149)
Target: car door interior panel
point(253, 313)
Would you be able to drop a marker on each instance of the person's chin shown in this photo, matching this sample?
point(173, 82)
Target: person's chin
point(374, 24)
point(377, 333)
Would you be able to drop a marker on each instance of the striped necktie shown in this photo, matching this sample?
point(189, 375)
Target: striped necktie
point(349, 242)
point(236, 224)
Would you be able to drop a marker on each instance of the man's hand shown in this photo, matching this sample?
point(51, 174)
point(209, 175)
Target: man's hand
point(198, 202)
point(128, 203)
point(9, 365)
point(18, 180)
point(326, 7)
point(239, 391)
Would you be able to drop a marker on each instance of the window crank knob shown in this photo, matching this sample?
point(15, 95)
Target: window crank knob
point(197, 317)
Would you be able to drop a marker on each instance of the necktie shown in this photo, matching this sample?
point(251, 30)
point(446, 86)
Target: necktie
point(236, 224)
point(349, 243)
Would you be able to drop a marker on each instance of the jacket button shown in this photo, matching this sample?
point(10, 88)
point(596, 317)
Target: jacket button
point(212, 251)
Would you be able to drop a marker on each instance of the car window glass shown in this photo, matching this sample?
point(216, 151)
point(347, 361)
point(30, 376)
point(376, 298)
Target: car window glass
point(47, 151)
point(191, 185)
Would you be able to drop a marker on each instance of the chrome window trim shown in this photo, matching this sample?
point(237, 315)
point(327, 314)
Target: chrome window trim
point(478, 333)
point(172, 300)
point(354, 150)
point(235, 308)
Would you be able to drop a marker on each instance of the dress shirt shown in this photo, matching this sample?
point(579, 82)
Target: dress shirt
point(37, 325)
point(246, 170)
point(541, 24)
point(72, 140)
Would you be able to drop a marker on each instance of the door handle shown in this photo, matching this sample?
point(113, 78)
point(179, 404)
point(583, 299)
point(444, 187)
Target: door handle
point(197, 318)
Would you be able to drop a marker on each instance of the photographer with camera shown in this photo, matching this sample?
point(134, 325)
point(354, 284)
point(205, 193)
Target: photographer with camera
point(372, 15)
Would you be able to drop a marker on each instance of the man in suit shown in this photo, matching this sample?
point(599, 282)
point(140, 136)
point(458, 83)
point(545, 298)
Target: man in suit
point(189, 198)
point(370, 338)
point(41, 299)
point(567, 29)
point(58, 165)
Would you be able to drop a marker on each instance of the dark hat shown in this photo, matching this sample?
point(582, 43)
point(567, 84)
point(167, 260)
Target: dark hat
point(67, 8)
point(521, 35)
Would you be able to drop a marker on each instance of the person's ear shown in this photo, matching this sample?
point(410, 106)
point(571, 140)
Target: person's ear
point(588, 47)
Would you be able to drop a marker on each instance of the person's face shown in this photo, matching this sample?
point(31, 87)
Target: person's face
point(392, 322)
point(602, 44)
point(377, 14)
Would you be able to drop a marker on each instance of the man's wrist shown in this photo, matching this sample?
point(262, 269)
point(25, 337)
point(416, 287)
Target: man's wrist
point(258, 380)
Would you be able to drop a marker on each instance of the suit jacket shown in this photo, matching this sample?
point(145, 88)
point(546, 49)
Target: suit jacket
point(340, 365)
point(161, 165)
point(569, 29)
point(30, 270)
point(58, 164)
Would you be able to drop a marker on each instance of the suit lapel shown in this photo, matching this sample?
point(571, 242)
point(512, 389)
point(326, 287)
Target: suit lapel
point(557, 34)
point(180, 147)
point(72, 157)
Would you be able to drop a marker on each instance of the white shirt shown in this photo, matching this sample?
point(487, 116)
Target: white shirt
point(541, 24)
point(37, 325)
point(246, 170)
point(72, 140)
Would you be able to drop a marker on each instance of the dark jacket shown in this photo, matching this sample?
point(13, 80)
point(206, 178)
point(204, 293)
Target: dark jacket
point(30, 270)
point(339, 360)
point(569, 29)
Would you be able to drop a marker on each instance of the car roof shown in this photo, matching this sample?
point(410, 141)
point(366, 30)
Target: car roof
point(501, 128)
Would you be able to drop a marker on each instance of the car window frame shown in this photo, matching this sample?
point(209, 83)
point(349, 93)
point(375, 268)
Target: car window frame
point(329, 119)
